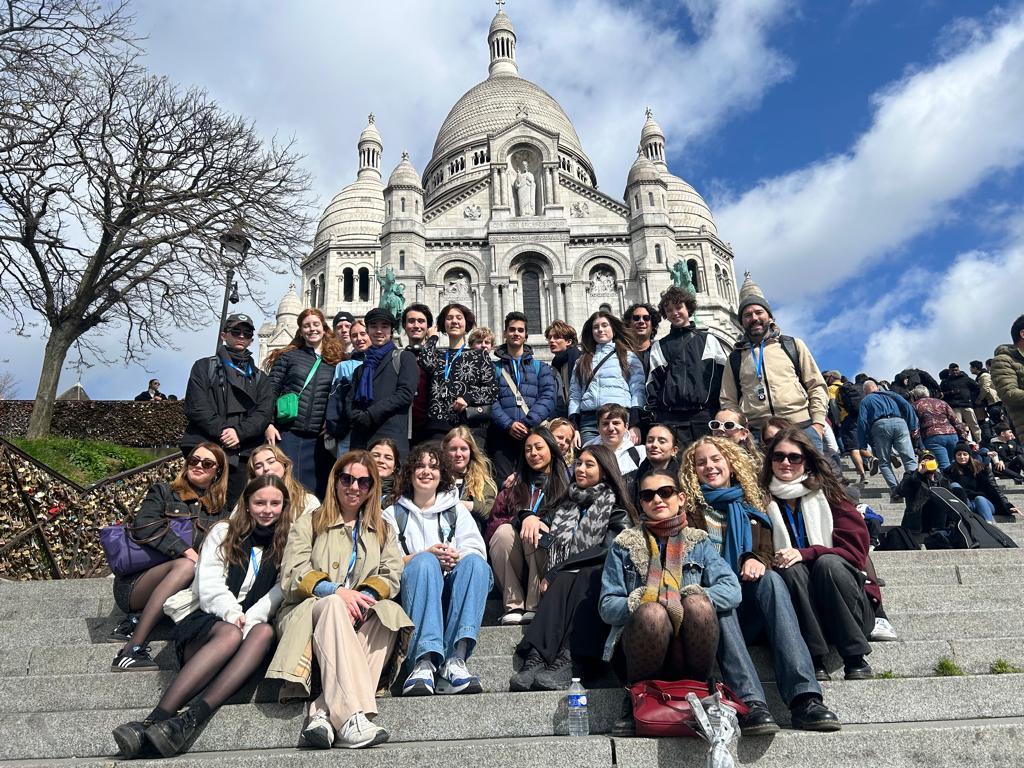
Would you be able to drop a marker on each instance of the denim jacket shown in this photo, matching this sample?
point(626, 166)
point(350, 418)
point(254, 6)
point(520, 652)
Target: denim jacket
point(625, 576)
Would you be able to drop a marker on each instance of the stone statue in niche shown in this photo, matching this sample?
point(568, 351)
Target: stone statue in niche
point(526, 189)
point(580, 209)
point(602, 283)
point(457, 288)
point(472, 212)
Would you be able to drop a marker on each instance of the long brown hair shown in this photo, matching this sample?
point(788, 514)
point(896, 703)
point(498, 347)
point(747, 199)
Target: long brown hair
point(820, 475)
point(479, 470)
point(296, 491)
point(241, 524)
point(612, 477)
point(216, 494)
point(329, 513)
point(622, 337)
point(330, 351)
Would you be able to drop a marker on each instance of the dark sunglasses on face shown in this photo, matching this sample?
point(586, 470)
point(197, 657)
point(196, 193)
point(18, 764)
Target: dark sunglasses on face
point(796, 459)
point(665, 492)
point(641, 318)
point(364, 483)
point(728, 426)
point(206, 464)
point(240, 334)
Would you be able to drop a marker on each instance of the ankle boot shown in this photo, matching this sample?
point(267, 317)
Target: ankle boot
point(523, 679)
point(174, 736)
point(131, 737)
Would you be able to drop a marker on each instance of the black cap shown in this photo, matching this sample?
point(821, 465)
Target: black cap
point(378, 314)
point(234, 321)
point(343, 315)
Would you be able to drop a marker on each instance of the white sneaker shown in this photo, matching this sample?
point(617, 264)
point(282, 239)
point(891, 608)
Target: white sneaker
point(512, 617)
point(455, 677)
point(883, 631)
point(421, 681)
point(319, 733)
point(528, 617)
point(359, 732)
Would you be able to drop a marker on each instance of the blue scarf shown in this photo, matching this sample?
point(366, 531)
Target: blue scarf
point(371, 359)
point(738, 513)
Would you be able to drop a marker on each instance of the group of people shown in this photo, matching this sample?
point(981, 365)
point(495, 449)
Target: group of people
point(642, 506)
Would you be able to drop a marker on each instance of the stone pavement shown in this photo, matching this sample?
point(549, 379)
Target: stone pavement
point(58, 701)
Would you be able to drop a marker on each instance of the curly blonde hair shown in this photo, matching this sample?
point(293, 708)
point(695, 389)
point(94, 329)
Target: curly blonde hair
point(741, 468)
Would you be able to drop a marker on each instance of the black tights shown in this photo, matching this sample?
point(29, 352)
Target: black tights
point(654, 652)
point(151, 592)
point(222, 664)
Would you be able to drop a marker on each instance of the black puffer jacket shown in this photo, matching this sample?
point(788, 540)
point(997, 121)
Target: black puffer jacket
point(157, 508)
point(289, 373)
point(959, 391)
point(980, 484)
point(686, 373)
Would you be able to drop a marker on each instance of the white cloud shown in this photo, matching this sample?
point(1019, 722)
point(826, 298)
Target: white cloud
point(936, 135)
point(964, 316)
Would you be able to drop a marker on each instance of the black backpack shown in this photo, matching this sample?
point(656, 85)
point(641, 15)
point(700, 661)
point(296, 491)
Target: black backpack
point(788, 346)
point(450, 516)
point(850, 395)
point(898, 539)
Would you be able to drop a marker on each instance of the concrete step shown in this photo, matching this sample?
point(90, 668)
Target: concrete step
point(500, 716)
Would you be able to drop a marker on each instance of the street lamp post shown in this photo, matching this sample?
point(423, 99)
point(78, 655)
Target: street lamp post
point(236, 244)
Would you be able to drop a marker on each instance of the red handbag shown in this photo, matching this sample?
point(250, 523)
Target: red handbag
point(660, 707)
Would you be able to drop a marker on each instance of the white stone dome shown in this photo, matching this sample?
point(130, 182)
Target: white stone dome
point(290, 305)
point(405, 174)
point(501, 23)
point(370, 133)
point(686, 208)
point(642, 170)
point(356, 214)
point(495, 104)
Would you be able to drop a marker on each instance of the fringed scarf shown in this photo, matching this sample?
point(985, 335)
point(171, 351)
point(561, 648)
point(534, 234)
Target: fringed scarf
point(738, 539)
point(580, 521)
point(665, 581)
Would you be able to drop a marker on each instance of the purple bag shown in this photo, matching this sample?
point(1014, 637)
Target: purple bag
point(126, 556)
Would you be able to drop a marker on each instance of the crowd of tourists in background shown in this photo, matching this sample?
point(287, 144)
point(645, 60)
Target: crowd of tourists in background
point(643, 506)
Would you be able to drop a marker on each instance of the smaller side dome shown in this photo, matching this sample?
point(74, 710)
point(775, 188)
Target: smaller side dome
point(501, 23)
point(642, 170)
point(290, 306)
point(405, 174)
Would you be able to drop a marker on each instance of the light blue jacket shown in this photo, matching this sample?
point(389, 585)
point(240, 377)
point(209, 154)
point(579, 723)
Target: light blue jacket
point(607, 385)
point(625, 576)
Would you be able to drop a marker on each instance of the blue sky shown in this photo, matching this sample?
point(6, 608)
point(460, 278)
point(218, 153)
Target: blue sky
point(863, 158)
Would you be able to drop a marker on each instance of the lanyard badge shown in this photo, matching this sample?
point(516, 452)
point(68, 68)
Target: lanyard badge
point(760, 392)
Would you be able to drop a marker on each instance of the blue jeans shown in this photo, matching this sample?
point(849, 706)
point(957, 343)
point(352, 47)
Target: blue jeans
point(888, 435)
point(445, 609)
point(734, 660)
point(943, 446)
point(812, 433)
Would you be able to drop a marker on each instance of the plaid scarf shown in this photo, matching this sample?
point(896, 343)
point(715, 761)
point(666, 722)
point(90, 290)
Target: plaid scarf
point(663, 582)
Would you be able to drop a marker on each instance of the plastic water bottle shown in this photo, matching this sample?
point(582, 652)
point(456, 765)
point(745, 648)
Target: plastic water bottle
point(579, 718)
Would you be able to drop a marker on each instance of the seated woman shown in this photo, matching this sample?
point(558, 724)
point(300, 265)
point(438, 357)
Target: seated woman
point(446, 578)
point(385, 455)
point(340, 571)
point(517, 523)
point(583, 523)
point(983, 495)
point(732, 425)
point(661, 587)
point(565, 435)
point(224, 640)
point(198, 492)
point(724, 499)
point(472, 471)
point(271, 460)
point(821, 551)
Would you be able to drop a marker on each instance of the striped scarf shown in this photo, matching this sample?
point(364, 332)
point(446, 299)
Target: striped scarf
point(664, 582)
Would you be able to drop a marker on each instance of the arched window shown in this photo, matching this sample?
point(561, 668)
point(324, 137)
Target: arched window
point(650, 199)
point(636, 202)
point(322, 292)
point(311, 293)
point(347, 284)
point(657, 253)
point(691, 267)
point(403, 205)
point(401, 260)
point(389, 207)
point(530, 280)
point(364, 284)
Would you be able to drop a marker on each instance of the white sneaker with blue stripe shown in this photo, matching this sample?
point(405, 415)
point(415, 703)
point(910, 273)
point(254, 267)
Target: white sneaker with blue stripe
point(421, 681)
point(454, 677)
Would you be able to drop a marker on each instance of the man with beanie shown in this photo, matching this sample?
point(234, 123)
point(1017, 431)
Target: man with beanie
point(229, 401)
point(342, 323)
point(769, 374)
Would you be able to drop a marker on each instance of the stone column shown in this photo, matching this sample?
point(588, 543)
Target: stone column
point(554, 186)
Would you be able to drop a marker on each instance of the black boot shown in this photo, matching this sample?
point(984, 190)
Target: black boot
point(523, 679)
point(556, 676)
point(174, 736)
point(625, 726)
point(131, 737)
point(809, 713)
point(758, 721)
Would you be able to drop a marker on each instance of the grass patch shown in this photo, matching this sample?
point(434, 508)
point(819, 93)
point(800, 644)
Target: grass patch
point(84, 461)
point(946, 667)
point(887, 675)
point(1003, 667)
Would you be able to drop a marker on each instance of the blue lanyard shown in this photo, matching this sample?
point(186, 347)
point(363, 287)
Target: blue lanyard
point(246, 373)
point(758, 360)
point(355, 550)
point(801, 529)
point(534, 506)
point(255, 565)
point(448, 365)
point(517, 370)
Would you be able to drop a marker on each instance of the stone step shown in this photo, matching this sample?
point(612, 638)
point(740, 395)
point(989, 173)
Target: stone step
point(83, 733)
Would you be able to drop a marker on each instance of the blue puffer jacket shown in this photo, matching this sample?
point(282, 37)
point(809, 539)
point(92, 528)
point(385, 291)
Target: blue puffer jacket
point(608, 385)
point(536, 383)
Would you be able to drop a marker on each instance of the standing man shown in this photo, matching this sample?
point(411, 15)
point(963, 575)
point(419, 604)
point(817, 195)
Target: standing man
point(770, 374)
point(152, 392)
point(642, 321)
point(1008, 374)
point(961, 392)
point(888, 423)
point(686, 369)
point(564, 345)
point(229, 401)
point(526, 397)
point(342, 324)
point(416, 322)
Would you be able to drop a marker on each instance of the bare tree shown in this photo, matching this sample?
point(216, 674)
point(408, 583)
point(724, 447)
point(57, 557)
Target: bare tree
point(8, 386)
point(114, 186)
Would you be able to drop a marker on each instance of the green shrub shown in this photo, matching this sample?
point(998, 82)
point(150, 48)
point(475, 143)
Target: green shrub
point(84, 461)
point(946, 667)
point(1003, 667)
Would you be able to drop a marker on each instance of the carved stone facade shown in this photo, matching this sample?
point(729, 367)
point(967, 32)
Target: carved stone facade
point(508, 216)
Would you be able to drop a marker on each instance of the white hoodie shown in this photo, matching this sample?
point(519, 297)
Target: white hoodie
point(626, 461)
point(424, 526)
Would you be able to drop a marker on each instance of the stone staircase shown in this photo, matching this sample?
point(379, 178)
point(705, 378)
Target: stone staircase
point(58, 701)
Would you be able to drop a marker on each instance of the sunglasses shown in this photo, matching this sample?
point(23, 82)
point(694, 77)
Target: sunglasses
point(728, 426)
point(206, 464)
point(240, 334)
point(641, 318)
point(796, 459)
point(665, 493)
point(364, 483)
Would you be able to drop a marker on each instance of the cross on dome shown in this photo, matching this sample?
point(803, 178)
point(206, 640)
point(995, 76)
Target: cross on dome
point(649, 112)
point(501, 5)
point(370, 119)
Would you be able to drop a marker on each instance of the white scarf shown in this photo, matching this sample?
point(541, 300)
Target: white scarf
point(814, 508)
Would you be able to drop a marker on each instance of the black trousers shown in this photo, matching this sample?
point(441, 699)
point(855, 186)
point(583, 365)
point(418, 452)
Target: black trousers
point(503, 450)
point(568, 617)
point(829, 599)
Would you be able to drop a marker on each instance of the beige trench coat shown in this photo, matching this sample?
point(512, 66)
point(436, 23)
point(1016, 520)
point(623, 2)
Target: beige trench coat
point(308, 560)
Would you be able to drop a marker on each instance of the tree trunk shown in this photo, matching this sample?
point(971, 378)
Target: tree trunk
point(55, 353)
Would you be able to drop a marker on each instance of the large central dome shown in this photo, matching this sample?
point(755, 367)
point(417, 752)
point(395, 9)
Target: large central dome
point(497, 103)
